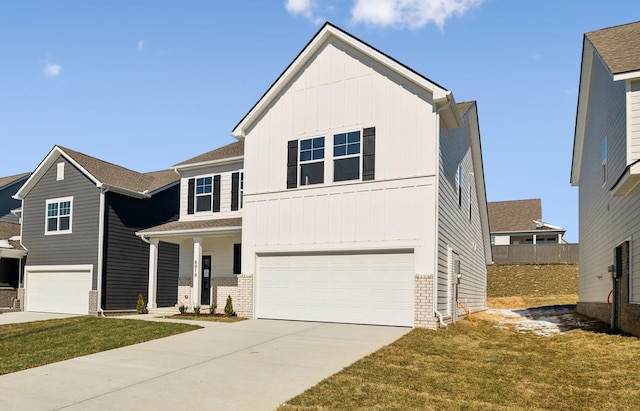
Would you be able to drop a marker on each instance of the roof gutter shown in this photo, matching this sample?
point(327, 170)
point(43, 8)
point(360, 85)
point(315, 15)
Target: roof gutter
point(220, 162)
point(103, 191)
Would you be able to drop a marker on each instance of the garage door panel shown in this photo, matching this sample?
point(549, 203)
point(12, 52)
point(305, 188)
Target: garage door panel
point(58, 291)
point(359, 288)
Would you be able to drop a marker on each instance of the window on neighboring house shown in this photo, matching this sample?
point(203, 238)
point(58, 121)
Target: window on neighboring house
point(470, 204)
point(346, 153)
point(604, 160)
point(204, 193)
point(59, 215)
point(459, 184)
point(312, 161)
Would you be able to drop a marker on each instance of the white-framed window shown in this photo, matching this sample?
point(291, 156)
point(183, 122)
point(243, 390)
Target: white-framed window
point(311, 155)
point(58, 215)
point(60, 171)
point(604, 161)
point(346, 154)
point(204, 193)
point(459, 182)
point(241, 187)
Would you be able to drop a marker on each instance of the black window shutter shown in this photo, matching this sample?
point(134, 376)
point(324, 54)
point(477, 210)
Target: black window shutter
point(235, 190)
point(368, 153)
point(292, 164)
point(237, 258)
point(191, 195)
point(216, 193)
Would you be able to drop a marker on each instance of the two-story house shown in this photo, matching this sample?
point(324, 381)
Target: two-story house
point(79, 218)
point(520, 222)
point(606, 168)
point(208, 232)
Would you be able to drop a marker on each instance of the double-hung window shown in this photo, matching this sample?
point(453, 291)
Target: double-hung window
point(346, 154)
point(204, 193)
point(58, 219)
point(312, 161)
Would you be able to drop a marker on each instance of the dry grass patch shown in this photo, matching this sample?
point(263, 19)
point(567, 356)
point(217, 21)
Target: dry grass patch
point(32, 344)
point(531, 301)
point(532, 280)
point(486, 368)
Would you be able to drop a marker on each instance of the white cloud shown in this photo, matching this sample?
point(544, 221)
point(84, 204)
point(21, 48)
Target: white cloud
point(140, 45)
point(51, 70)
point(411, 14)
point(302, 7)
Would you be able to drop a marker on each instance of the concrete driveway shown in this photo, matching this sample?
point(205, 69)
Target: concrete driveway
point(250, 365)
point(13, 317)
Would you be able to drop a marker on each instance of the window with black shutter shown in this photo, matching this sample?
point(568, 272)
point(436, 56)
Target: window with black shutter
point(235, 191)
point(237, 258)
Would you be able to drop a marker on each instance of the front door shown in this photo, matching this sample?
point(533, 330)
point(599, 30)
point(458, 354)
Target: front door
point(205, 295)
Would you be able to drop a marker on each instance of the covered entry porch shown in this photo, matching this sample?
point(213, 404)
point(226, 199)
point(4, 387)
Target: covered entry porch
point(210, 254)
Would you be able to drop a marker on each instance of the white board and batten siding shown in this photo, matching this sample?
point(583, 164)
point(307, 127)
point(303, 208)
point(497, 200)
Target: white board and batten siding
point(347, 288)
point(611, 219)
point(457, 233)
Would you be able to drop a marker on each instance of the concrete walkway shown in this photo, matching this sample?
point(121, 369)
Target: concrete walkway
point(249, 365)
point(14, 317)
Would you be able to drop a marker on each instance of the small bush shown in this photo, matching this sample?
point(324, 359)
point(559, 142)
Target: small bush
point(212, 308)
point(228, 308)
point(141, 307)
point(196, 309)
point(182, 308)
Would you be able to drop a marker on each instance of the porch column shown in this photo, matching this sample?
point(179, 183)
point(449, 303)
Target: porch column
point(197, 258)
point(153, 274)
point(535, 239)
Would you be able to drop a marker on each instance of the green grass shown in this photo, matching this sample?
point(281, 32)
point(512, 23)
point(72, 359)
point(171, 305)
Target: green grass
point(32, 344)
point(484, 368)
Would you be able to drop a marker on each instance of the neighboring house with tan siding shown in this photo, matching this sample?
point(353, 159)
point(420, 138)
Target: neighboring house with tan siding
point(606, 169)
point(520, 222)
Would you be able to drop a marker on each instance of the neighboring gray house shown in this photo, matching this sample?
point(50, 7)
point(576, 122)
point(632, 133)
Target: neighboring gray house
point(365, 197)
point(8, 187)
point(606, 168)
point(79, 218)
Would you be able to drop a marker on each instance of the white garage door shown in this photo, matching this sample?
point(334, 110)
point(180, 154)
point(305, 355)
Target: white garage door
point(355, 288)
point(58, 289)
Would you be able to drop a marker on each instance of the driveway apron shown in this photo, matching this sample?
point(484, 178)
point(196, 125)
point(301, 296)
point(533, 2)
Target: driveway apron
point(249, 365)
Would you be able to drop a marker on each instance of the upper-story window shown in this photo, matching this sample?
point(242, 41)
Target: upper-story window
point(604, 160)
point(459, 181)
point(346, 154)
point(203, 194)
point(241, 187)
point(237, 190)
point(58, 218)
point(312, 161)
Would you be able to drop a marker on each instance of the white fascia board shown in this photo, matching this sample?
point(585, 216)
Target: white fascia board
point(581, 112)
point(124, 191)
point(191, 232)
point(12, 253)
point(323, 36)
point(630, 75)
point(157, 190)
point(207, 164)
point(44, 166)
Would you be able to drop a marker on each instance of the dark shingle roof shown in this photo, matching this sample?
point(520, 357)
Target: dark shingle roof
point(618, 46)
point(229, 151)
point(8, 230)
point(4, 181)
point(194, 225)
point(117, 176)
point(517, 215)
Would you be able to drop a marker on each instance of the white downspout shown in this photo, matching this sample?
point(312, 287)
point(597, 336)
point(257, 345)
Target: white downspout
point(436, 225)
point(103, 190)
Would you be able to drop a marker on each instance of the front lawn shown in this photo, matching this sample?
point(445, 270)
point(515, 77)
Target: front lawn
point(207, 317)
point(28, 345)
point(486, 368)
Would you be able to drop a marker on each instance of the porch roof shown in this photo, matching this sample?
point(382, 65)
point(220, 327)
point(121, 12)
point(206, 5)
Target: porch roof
point(193, 227)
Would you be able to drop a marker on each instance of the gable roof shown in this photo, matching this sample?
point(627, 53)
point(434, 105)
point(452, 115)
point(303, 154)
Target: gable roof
point(328, 32)
point(618, 46)
point(6, 181)
point(516, 215)
point(8, 231)
point(229, 152)
point(464, 107)
point(103, 173)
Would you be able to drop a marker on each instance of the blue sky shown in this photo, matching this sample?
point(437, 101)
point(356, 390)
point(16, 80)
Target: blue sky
point(147, 84)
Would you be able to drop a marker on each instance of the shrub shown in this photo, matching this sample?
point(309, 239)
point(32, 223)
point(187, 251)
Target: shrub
point(196, 309)
point(182, 308)
point(141, 307)
point(228, 308)
point(212, 308)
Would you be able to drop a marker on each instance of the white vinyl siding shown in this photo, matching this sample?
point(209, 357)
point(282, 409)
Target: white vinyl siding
point(605, 220)
point(347, 288)
point(456, 231)
point(225, 193)
point(221, 248)
point(633, 122)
